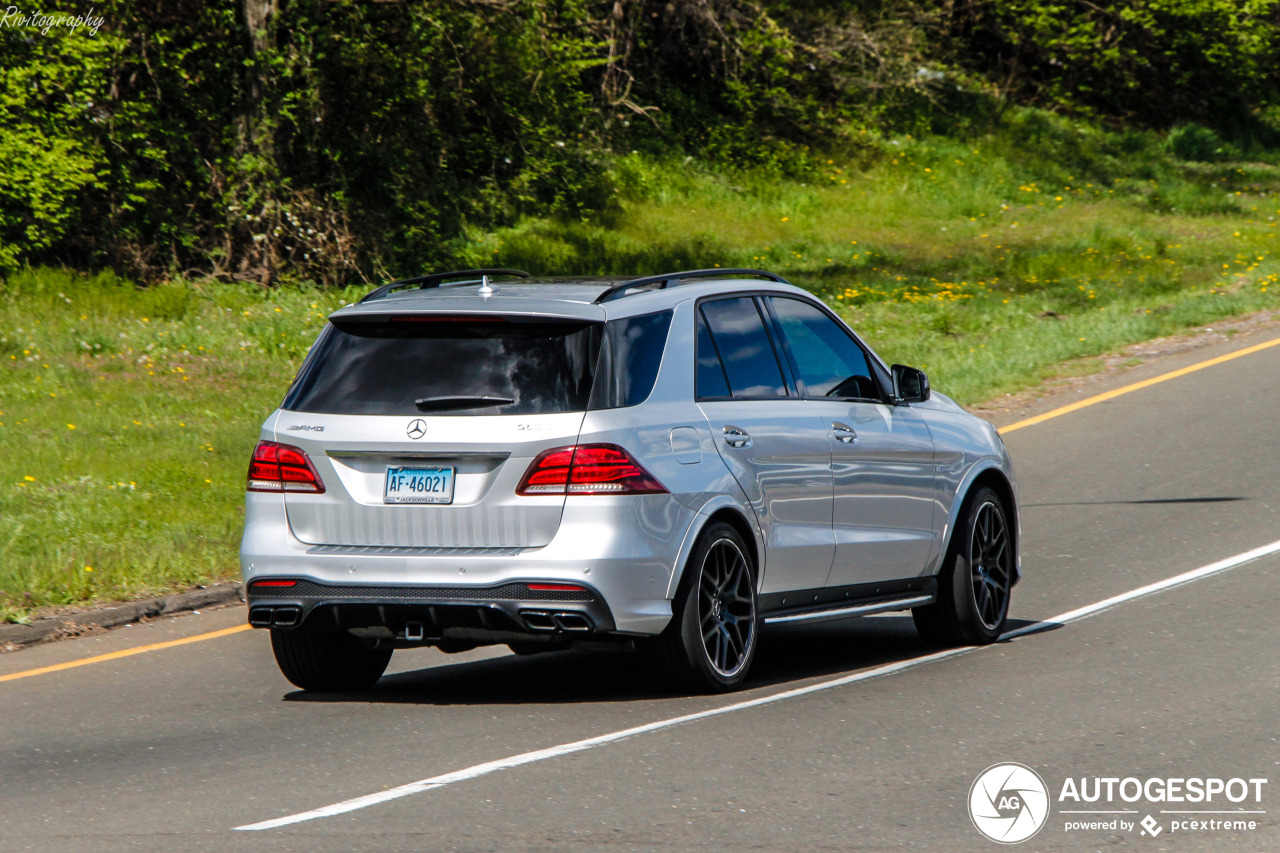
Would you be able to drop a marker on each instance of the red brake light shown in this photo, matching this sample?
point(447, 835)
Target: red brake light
point(259, 584)
point(282, 468)
point(587, 469)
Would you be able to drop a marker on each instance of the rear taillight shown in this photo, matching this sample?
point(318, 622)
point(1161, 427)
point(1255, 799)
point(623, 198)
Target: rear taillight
point(587, 469)
point(282, 468)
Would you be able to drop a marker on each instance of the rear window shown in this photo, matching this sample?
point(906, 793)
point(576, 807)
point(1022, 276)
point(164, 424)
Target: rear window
point(387, 365)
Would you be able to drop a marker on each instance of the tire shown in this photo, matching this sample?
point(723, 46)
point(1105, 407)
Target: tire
point(329, 662)
point(711, 640)
point(976, 577)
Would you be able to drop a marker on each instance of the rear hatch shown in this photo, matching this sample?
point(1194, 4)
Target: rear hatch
point(422, 425)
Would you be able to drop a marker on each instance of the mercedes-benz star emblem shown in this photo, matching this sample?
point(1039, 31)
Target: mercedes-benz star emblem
point(417, 428)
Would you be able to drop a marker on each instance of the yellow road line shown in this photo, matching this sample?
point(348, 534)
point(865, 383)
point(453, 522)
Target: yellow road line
point(124, 653)
point(1146, 383)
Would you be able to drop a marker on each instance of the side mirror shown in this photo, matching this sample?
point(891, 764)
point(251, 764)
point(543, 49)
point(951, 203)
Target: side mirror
point(909, 385)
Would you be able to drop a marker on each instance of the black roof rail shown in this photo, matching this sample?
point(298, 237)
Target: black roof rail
point(672, 279)
point(437, 279)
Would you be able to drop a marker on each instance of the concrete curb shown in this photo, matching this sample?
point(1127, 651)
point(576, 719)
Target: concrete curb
point(110, 617)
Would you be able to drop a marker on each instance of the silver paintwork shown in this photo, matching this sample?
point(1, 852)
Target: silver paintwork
point(830, 493)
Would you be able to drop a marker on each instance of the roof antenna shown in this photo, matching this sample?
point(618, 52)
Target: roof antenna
point(486, 289)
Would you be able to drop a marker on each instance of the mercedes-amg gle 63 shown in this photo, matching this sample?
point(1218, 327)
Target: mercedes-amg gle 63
point(668, 464)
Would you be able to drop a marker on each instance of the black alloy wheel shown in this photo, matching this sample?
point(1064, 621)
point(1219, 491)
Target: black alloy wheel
point(726, 608)
point(711, 640)
point(976, 577)
point(990, 565)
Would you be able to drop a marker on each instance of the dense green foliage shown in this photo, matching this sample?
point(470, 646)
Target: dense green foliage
point(338, 141)
point(1157, 61)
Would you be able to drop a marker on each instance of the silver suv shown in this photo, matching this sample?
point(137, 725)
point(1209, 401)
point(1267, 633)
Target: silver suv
point(668, 464)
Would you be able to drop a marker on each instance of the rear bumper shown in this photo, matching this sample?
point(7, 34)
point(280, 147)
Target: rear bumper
point(623, 549)
point(496, 613)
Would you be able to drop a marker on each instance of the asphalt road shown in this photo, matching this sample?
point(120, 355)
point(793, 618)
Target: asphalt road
point(172, 749)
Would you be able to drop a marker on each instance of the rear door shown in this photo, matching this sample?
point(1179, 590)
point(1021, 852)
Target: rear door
point(422, 426)
point(881, 454)
point(774, 442)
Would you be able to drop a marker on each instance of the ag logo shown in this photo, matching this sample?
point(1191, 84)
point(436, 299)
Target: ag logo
point(1008, 803)
point(417, 428)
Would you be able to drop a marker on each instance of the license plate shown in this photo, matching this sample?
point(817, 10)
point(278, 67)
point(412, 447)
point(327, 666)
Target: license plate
point(412, 485)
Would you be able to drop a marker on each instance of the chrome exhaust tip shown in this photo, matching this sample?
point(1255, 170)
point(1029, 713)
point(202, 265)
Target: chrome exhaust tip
point(286, 617)
point(572, 622)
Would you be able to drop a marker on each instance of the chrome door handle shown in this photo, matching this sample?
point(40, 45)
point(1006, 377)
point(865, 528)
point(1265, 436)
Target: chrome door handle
point(736, 436)
point(844, 433)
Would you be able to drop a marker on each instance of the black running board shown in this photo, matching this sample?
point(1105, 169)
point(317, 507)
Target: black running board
point(847, 602)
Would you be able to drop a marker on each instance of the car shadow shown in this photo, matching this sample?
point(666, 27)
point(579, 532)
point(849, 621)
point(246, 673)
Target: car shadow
point(786, 654)
point(1148, 502)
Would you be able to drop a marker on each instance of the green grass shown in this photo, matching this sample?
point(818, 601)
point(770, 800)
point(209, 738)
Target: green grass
point(126, 421)
point(127, 415)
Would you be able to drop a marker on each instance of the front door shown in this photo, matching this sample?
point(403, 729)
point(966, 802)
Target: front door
point(881, 453)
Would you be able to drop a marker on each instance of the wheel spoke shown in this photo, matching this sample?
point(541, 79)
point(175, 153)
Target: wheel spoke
point(708, 586)
point(737, 643)
point(731, 576)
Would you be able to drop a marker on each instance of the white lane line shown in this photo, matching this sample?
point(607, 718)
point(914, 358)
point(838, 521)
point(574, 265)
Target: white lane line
point(612, 737)
point(1158, 586)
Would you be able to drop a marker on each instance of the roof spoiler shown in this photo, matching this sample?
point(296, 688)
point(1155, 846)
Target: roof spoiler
point(439, 279)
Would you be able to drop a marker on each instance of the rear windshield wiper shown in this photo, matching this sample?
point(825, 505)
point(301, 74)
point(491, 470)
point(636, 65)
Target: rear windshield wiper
point(463, 402)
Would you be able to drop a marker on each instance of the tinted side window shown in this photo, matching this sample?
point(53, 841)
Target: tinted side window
point(629, 359)
point(710, 378)
point(745, 349)
point(830, 363)
point(383, 365)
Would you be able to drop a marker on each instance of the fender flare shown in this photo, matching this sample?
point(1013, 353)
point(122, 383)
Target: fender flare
point(976, 471)
point(701, 518)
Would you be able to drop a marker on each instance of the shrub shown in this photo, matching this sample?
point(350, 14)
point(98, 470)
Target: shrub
point(1198, 143)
